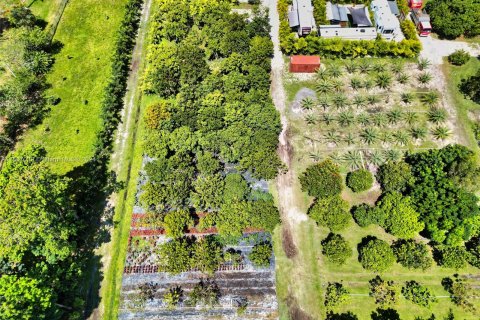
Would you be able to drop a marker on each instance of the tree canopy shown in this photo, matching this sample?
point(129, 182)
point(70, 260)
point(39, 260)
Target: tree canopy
point(322, 180)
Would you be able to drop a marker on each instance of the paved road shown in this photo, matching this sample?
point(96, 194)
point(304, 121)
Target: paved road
point(435, 49)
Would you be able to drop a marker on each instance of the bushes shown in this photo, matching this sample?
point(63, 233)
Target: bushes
point(336, 295)
point(385, 293)
point(452, 257)
point(359, 180)
point(364, 215)
point(418, 294)
point(336, 249)
point(322, 180)
point(473, 248)
point(409, 30)
point(395, 176)
point(459, 57)
point(451, 19)
point(261, 254)
point(412, 255)
point(461, 293)
point(471, 87)
point(331, 212)
point(375, 255)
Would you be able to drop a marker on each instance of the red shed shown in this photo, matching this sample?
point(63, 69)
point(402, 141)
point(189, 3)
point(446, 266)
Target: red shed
point(307, 64)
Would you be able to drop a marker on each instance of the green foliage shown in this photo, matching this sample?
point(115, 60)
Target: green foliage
point(365, 215)
point(322, 180)
point(385, 293)
point(261, 254)
point(336, 249)
point(359, 180)
point(473, 248)
point(175, 223)
point(401, 219)
point(175, 255)
point(459, 57)
point(395, 176)
point(236, 188)
point(461, 293)
point(471, 87)
point(207, 192)
point(376, 255)
point(173, 297)
point(453, 257)
point(451, 19)
point(408, 28)
point(412, 255)
point(418, 294)
point(331, 212)
point(335, 295)
point(205, 293)
point(207, 254)
point(24, 298)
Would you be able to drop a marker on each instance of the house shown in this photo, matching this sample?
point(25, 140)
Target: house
point(304, 64)
point(387, 23)
point(337, 14)
point(301, 17)
point(332, 31)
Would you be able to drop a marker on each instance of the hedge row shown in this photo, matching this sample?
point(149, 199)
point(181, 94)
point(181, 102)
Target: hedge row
point(337, 47)
point(409, 30)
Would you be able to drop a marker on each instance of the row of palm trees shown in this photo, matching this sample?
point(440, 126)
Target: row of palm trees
point(341, 100)
point(356, 159)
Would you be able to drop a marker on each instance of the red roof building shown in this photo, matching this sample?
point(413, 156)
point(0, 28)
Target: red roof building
point(304, 64)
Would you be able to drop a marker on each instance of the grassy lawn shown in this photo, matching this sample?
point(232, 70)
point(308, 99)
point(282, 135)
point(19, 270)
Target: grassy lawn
point(45, 9)
point(78, 78)
point(466, 108)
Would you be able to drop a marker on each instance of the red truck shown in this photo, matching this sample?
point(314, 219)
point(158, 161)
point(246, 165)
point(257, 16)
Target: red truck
point(415, 4)
point(422, 22)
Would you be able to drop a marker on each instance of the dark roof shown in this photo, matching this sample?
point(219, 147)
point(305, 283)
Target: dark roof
point(339, 13)
point(359, 17)
point(393, 7)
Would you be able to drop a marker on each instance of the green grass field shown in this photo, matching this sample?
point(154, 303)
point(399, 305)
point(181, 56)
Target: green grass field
point(45, 9)
point(80, 73)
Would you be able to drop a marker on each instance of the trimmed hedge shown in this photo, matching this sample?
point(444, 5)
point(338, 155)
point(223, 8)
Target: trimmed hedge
point(339, 48)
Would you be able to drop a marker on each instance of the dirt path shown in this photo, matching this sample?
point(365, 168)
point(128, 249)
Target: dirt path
point(126, 129)
point(435, 49)
point(286, 196)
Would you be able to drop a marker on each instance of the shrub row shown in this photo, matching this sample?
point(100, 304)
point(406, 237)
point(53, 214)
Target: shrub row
point(337, 47)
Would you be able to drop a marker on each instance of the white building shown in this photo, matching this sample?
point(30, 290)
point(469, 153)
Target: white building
point(360, 33)
point(301, 16)
point(387, 23)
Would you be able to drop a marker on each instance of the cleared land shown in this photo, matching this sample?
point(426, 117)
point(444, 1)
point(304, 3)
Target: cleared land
point(79, 76)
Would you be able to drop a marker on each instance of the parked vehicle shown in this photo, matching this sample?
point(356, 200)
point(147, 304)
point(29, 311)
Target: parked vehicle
point(415, 4)
point(422, 22)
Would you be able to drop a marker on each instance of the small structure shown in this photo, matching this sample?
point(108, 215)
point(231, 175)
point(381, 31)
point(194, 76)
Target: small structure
point(301, 17)
point(387, 23)
point(332, 31)
point(360, 17)
point(304, 64)
point(337, 14)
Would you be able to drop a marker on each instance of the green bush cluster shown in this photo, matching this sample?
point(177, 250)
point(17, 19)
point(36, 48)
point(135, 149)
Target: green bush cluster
point(331, 212)
point(452, 257)
point(412, 255)
point(409, 30)
point(261, 254)
point(418, 294)
point(336, 249)
point(322, 180)
point(376, 255)
point(451, 19)
point(359, 180)
point(459, 57)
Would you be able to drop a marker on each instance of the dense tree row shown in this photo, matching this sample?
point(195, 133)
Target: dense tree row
point(50, 223)
point(210, 69)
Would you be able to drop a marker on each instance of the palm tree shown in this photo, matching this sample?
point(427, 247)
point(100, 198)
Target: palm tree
point(383, 80)
point(425, 78)
point(315, 156)
point(369, 135)
point(411, 118)
point(355, 83)
point(407, 97)
point(328, 118)
point(363, 119)
point(418, 132)
point(386, 137)
point(350, 66)
point(353, 159)
point(373, 99)
point(379, 67)
point(430, 98)
point(359, 101)
point(364, 66)
point(423, 63)
point(337, 85)
point(346, 118)
point(403, 78)
point(335, 157)
point(308, 103)
point(376, 158)
point(322, 74)
point(368, 84)
point(402, 137)
point(379, 119)
point(340, 101)
point(441, 133)
point(350, 139)
point(335, 70)
point(393, 155)
point(324, 102)
point(332, 137)
point(437, 115)
point(323, 86)
point(310, 119)
point(397, 67)
point(394, 116)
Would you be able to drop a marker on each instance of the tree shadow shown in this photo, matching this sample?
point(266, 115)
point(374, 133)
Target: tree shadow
point(385, 314)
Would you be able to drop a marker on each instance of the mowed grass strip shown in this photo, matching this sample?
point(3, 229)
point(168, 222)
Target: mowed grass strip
point(45, 9)
point(87, 31)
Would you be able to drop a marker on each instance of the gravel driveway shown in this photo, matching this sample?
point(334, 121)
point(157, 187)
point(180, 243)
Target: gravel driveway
point(435, 49)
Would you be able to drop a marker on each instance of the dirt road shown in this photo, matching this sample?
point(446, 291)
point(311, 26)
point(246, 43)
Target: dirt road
point(435, 49)
point(286, 196)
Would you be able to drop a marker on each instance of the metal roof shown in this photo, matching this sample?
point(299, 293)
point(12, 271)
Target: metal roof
point(393, 7)
point(359, 17)
point(315, 60)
